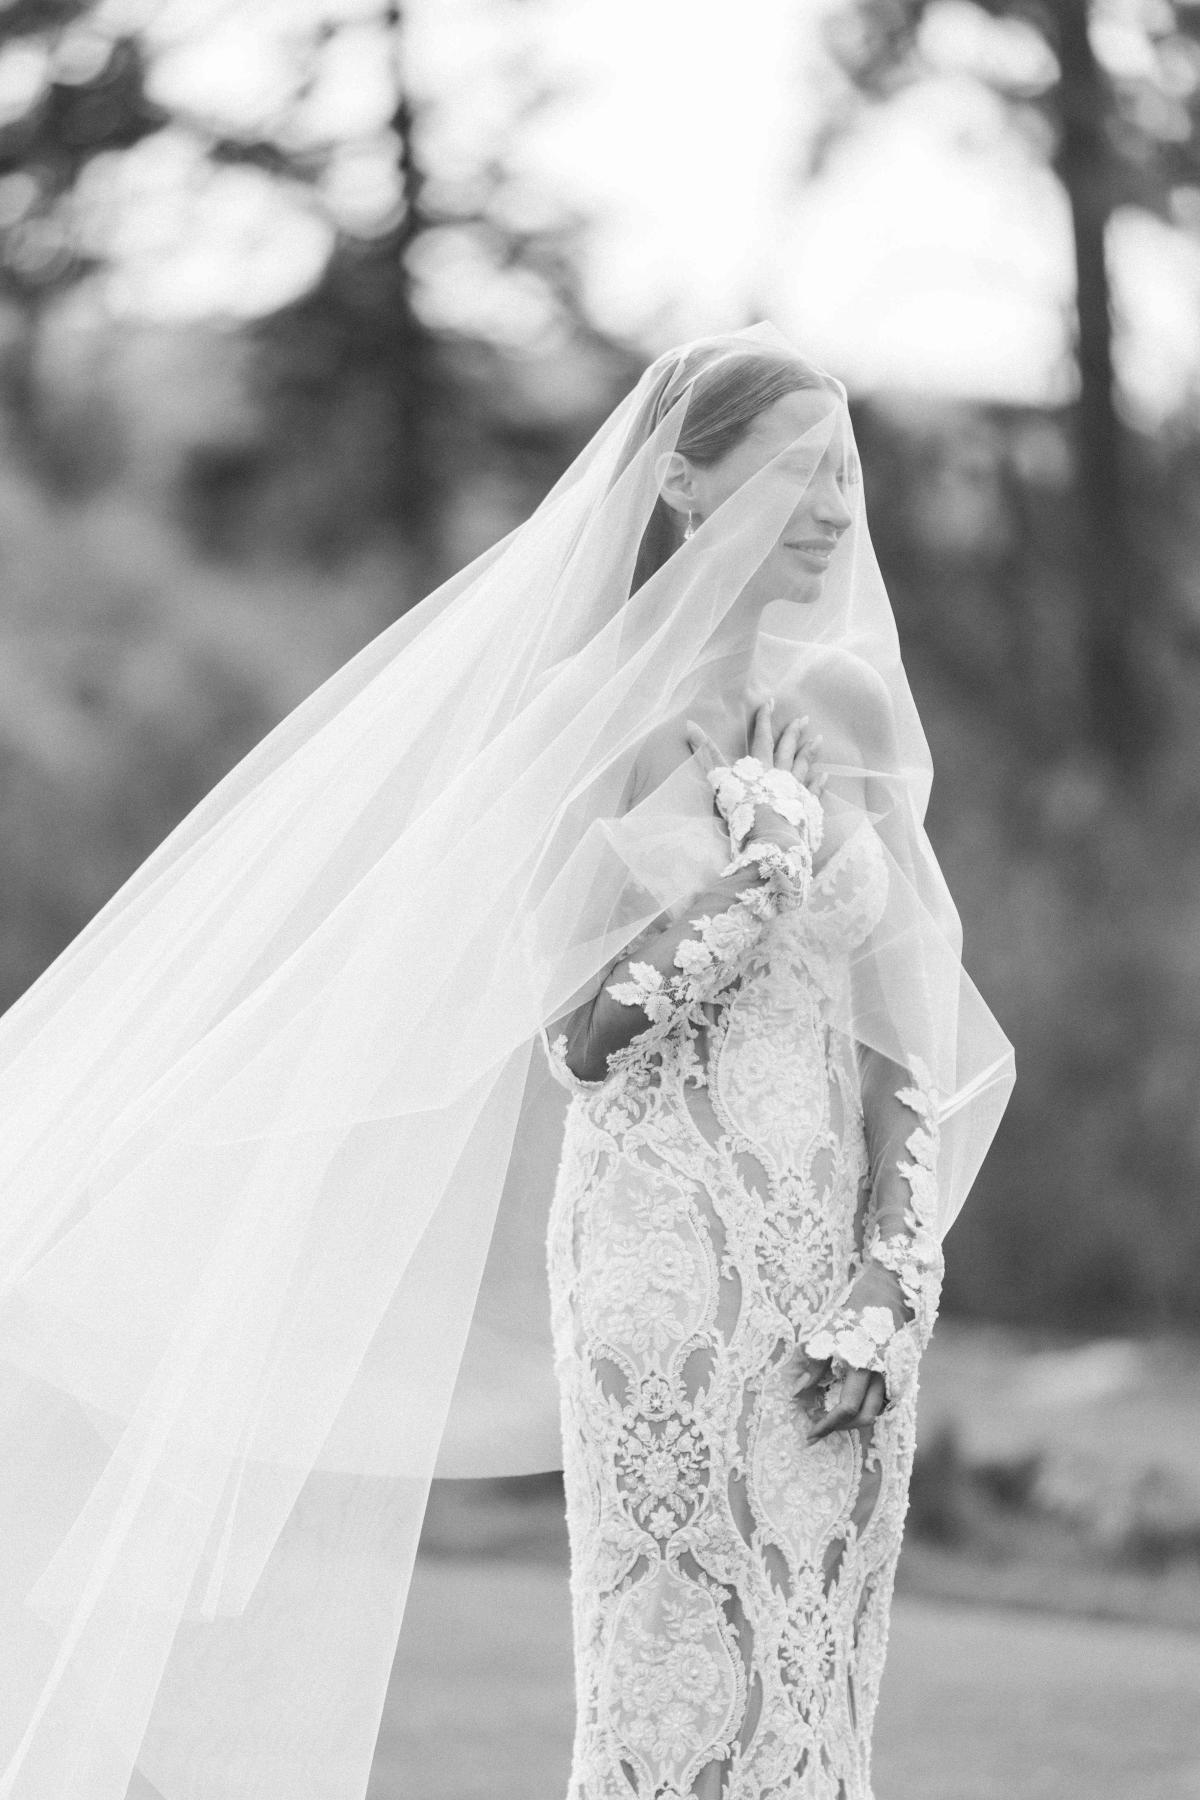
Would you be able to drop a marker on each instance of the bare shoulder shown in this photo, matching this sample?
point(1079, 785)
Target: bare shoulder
point(859, 696)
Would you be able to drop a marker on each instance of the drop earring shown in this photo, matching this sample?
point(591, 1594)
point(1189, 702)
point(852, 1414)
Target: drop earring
point(689, 529)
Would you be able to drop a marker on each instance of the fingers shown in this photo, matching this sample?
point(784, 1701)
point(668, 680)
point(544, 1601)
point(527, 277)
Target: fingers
point(704, 747)
point(875, 1401)
point(795, 750)
point(860, 1401)
point(792, 741)
point(805, 753)
point(803, 763)
point(809, 1374)
point(762, 738)
point(811, 778)
point(844, 1410)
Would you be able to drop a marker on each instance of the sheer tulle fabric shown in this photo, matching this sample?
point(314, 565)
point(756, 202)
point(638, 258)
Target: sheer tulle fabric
point(280, 1136)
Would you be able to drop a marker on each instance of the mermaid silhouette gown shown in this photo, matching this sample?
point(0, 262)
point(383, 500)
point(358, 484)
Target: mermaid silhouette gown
point(715, 1210)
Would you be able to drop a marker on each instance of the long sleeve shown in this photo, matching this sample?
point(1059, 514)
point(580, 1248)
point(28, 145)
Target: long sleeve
point(775, 826)
point(884, 1318)
point(674, 970)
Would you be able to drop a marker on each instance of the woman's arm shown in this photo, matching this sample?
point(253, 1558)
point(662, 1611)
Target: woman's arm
point(770, 803)
point(689, 961)
point(883, 1321)
point(904, 1251)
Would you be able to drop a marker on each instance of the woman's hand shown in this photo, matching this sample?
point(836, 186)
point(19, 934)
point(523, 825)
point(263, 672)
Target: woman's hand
point(794, 750)
point(857, 1400)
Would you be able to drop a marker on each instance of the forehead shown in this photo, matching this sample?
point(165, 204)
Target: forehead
point(793, 414)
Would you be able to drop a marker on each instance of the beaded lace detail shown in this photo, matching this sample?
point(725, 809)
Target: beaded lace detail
point(731, 1585)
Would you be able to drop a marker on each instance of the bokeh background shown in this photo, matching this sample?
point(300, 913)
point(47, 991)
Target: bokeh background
point(305, 302)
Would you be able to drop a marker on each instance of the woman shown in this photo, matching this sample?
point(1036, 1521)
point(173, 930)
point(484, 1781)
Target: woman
point(742, 1264)
point(281, 1146)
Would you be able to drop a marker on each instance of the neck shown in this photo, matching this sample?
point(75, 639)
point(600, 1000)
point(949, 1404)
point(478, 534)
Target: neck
point(727, 662)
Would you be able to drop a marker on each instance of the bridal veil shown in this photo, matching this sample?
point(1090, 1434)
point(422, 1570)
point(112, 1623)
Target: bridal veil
point(280, 1135)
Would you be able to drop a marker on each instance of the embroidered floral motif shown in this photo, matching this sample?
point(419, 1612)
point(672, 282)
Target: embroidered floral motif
point(870, 1337)
point(662, 1471)
point(671, 1684)
point(730, 1583)
point(709, 963)
point(855, 1337)
point(785, 875)
point(807, 1659)
point(748, 784)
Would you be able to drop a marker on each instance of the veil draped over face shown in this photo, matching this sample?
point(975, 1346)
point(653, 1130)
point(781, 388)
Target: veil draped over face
point(280, 1133)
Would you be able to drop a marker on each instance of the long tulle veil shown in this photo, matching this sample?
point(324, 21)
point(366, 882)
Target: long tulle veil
point(279, 1131)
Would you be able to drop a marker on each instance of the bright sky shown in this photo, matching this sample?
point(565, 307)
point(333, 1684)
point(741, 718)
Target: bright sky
point(933, 252)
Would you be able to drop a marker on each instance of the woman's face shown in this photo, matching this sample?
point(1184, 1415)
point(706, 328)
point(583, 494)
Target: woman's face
point(795, 568)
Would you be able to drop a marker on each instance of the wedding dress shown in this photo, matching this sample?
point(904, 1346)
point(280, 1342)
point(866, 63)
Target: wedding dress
point(730, 1584)
point(281, 1145)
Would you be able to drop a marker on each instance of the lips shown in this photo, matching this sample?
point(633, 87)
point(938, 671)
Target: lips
point(816, 550)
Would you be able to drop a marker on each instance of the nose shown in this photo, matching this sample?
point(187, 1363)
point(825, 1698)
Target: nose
point(830, 507)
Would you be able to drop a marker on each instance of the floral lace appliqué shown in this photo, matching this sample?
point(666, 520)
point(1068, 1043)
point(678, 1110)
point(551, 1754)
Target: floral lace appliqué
point(731, 1583)
point(870, 1337)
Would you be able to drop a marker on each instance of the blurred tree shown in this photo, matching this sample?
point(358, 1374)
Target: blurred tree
point(371, 340)
point(1117, 99)
point(69, 92)
point(1043, 564)
point(378, 400)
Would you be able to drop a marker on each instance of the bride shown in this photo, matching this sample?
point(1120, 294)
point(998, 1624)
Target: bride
point(743, 1251)
point(549, 1047)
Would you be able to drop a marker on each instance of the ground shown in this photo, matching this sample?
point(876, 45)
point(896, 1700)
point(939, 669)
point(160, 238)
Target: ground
point(977, 1704)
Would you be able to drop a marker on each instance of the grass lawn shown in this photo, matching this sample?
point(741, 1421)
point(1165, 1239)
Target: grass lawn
point(978, 1704)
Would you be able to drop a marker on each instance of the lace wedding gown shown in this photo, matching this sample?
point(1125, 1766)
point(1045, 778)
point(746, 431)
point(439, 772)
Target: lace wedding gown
point(730, 1585)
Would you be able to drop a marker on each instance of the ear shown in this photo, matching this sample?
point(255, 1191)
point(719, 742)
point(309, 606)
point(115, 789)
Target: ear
point(676, 481)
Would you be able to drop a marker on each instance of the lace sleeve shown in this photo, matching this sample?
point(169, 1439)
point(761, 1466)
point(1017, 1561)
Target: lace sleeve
point(884, 1319)
point(690, 963)
point(557, 1047)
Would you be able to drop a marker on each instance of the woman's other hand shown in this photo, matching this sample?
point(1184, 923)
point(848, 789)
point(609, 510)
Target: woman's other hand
point(857, 1400)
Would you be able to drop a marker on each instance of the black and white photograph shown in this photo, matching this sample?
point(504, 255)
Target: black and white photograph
point(599, 900)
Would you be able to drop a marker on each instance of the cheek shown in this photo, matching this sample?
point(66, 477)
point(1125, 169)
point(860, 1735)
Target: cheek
point(714, 489)
point(784, 573)
point(721, 481)
point(805, 514)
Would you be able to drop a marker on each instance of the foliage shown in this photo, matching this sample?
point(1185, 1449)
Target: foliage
point(1042, 570)
point(132, 679)
point(366, 349)
point(1110, 96)
point(1076, 882)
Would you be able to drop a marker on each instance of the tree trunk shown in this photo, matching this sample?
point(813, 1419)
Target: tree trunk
point(1119, 718)
point(416, 362)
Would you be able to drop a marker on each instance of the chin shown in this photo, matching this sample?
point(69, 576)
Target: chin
point(806, 592)
point(804, 587)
